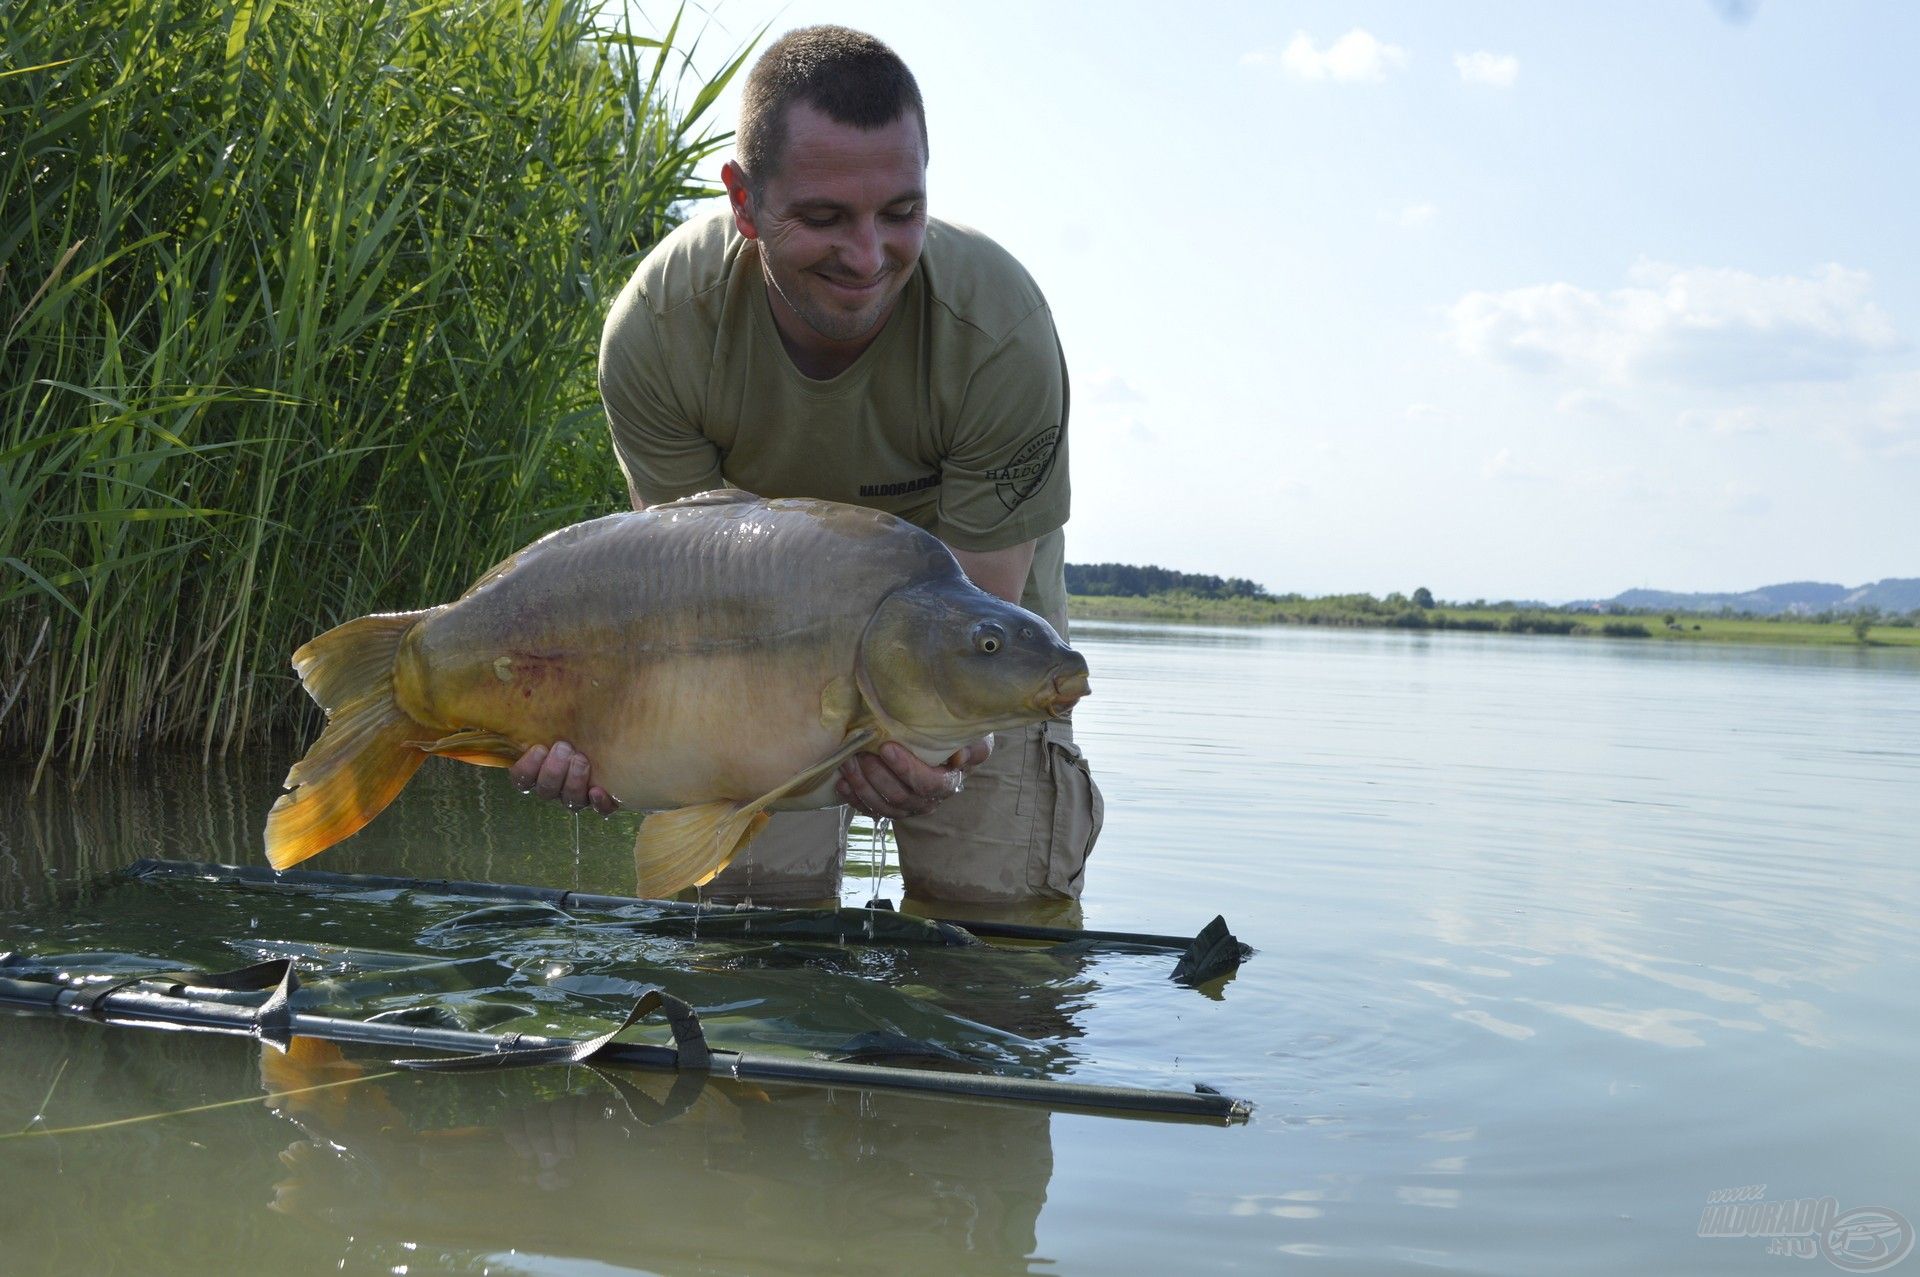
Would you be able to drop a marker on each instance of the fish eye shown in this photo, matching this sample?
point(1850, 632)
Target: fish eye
point(988, 638)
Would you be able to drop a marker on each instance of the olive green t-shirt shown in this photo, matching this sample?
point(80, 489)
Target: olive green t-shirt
point(954, 418)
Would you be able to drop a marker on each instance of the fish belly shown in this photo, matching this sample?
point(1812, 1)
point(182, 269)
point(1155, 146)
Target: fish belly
point(659, 730)
point(697, 730)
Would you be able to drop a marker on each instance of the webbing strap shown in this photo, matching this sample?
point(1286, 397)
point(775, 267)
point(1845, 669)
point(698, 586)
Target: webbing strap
point(272, 974)
point(688, 1037)
point(646, 1110)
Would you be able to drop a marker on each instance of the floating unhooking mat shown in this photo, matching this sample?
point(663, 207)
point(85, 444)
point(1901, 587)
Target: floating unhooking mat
point(498, 975)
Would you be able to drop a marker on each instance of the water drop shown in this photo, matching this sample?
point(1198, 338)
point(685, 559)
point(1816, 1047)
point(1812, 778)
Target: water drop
point(576, 850)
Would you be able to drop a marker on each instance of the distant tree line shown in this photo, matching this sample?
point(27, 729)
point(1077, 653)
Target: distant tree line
point(1125, 580)
point(1201, 597)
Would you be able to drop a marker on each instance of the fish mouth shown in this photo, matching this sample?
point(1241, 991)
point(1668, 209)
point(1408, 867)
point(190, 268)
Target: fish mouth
point(1068, 688)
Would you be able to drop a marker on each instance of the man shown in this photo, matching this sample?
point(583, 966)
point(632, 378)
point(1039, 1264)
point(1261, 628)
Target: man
point(823, 336)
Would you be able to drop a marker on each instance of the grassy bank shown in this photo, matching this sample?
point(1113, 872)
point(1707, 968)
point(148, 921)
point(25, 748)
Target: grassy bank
point(298, 317)
point(1349, 611)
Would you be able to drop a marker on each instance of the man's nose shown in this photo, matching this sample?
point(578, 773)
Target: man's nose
point(861, 251)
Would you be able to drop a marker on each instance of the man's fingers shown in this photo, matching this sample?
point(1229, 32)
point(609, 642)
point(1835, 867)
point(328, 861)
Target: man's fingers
point(968, 757)
point(553, 771)
point(561, 771)
point(574, 788)
point(878, 788)
point(524, 773)
point(894, 784)
point(857, 786)
point(925, 783)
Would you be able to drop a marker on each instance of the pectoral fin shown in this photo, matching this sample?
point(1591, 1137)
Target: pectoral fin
point(839, 702)
point(475, 745)
point(803, 781)
point(687, 846)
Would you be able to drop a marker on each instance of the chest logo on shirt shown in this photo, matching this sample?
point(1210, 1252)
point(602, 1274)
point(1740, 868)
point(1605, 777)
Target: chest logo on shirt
point(905, 489)
point(1022, 477)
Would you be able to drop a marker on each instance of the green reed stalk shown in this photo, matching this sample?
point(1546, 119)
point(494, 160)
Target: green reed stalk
point(299, 303)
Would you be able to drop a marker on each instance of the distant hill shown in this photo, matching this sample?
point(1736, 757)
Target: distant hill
point(1895, 595)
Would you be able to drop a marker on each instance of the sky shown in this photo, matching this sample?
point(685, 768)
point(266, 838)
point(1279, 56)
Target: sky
point(1508, 300)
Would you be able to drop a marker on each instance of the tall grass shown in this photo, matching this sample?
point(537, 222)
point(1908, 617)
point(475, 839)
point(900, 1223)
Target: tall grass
point(299, 304)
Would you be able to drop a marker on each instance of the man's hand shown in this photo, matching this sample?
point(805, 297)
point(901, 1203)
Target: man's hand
point(561, 772)
point(895, 784)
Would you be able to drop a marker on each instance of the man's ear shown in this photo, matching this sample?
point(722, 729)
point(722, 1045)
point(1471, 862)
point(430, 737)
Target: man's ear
point(739, 198)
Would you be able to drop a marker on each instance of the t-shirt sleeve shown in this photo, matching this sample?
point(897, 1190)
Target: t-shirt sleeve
point(656, 439)
point(1004, 478)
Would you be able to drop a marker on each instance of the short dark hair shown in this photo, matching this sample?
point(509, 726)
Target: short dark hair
point(847, 75)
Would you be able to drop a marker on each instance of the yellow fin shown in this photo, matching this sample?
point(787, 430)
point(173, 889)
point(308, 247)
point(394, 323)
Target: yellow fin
point(839, 702)
point(801, 782)
point(475, 745)
point(363, 758)
point(687, 846)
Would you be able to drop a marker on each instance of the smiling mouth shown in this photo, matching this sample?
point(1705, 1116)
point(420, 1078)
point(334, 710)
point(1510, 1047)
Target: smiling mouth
point(856, 286)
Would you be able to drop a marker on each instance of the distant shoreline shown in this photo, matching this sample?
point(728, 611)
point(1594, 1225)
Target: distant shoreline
point(1636, 626)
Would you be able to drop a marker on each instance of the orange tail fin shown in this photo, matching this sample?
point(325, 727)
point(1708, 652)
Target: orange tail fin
point(363, 758)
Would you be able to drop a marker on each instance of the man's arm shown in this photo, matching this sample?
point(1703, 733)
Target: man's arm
point(999, 572)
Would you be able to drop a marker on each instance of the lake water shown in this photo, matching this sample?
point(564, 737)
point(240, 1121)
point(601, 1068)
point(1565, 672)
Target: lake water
point(1556, 938)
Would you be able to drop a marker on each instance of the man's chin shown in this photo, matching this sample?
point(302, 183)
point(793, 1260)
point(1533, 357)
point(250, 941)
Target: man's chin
point(840, 325)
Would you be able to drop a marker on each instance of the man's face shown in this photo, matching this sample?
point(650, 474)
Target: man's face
point(841, 224)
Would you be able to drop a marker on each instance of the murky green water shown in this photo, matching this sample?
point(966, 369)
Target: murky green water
point(1556, 939)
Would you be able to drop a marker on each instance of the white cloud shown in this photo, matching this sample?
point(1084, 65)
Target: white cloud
point(1355, 58)
point(1743, 419)
point(1871, 420)
point(1501, 467)
point(1889, 427)
point(1700, 326)
point(1106, 386)
point(1426, 414)
point(1415, 216)
point(1495, 70)
point(1586, 403)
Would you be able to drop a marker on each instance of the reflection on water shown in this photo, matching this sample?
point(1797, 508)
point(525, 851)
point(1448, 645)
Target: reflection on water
point(634, 1172)
point(1555, 938)
point(514, 1171)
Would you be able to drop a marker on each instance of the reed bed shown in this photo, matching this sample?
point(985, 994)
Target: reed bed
point(299, 305)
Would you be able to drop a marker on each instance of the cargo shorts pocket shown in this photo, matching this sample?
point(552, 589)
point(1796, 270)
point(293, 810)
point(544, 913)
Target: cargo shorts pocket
point(1065, 836)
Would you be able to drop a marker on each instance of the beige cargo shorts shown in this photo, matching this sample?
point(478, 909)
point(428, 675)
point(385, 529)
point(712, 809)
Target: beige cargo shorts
point(1021, 830)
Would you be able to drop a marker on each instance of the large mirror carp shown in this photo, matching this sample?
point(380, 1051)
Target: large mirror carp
point(717, 658)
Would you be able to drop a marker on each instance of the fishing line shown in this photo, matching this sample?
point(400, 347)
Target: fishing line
point(198, 1108)
point(41, 1110)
